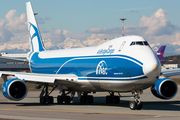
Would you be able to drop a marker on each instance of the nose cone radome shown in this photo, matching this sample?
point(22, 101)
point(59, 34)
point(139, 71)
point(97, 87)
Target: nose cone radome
point(152, 68)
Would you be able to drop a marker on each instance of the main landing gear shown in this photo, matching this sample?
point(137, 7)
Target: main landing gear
point(85, 98)
point(44, 96)
point(112, 98)
point(64, 98)
point(136, 104)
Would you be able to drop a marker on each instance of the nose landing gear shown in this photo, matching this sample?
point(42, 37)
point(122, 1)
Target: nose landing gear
point(136, 104)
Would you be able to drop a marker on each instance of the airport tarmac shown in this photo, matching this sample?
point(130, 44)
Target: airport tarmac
point(29, 108)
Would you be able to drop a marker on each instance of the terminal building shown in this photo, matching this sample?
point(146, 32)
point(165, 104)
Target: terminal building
point(10, 65)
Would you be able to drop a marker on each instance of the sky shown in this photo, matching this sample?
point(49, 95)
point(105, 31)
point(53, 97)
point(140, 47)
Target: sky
point(81, 23)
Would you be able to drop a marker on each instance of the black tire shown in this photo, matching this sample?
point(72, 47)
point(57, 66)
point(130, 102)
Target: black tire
point(109, 99)
point(83, 99)
point(59, 99)
point(43, 100)
point(139, 106)
point(50, 100)
point(116, 99)
point(90, 99)
point(67, 99)
point(133, 105)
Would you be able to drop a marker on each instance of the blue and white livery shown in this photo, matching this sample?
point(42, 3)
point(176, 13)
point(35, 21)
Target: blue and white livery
point(125, 64)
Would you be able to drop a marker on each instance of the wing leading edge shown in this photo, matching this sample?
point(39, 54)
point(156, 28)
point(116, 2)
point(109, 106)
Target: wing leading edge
point(171, 72)
point(14, 59)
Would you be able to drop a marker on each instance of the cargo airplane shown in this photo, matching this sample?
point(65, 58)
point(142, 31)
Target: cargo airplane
point(124, 64)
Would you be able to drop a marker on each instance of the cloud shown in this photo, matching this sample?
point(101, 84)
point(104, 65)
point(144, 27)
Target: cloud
point(15, 23)
point(105, 33)
point(42, 20)
point(5, 34)
point(176, 39)
point(94, 42)
point(134, 9)
point(157, 29)
point(158, 24)
point(70, 43)
point(12, 28)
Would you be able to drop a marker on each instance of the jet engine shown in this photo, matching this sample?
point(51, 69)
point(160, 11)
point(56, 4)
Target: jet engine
point(164, 88)
point(14, 89)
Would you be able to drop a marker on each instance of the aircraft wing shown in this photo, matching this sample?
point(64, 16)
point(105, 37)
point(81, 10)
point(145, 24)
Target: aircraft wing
point(43, 78)
point(171, 72)
point(14, 59)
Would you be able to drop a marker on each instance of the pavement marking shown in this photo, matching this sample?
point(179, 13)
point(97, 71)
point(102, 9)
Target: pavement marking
point(45, 110)
point(28, 118)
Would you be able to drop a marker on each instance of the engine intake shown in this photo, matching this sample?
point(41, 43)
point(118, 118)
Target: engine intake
point(164, 88)
point(14, 89)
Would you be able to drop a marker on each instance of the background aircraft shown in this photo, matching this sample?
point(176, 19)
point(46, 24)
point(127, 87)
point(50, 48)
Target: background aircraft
point(160, 54)
point(125, 64)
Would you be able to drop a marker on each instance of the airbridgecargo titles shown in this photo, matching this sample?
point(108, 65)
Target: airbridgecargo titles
point(106, 51)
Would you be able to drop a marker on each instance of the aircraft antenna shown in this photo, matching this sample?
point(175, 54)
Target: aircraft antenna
point(123, 19)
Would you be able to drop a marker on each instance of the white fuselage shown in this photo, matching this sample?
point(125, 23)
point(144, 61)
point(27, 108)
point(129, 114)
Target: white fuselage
point(122, 64)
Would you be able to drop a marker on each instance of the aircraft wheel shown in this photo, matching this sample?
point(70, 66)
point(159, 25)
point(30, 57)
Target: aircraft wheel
point(83, 99)
point(43, 100)
point(50, 100)
point(139, 106)
point(116, 99)
point(59, 99)
point(90, 99)
point(67, 99)
point(109, 99)
point(133, 105)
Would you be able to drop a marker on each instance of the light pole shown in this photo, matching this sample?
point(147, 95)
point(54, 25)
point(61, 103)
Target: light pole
point(123, 19)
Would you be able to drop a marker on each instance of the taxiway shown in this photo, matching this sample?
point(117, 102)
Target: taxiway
point(29, 108)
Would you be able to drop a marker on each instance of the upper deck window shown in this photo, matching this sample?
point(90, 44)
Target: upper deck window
point(139, 43)
point(122, 45)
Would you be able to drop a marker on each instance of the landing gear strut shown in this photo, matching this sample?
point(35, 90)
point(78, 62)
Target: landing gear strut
point(136, 104)
point(46, 99)
point(112, 98)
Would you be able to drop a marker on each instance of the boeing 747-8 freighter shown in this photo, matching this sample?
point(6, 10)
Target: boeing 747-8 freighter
point(124, 64)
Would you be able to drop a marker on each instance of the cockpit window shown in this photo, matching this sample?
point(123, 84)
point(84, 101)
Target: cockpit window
point(133, 43)
point(146, 43)
point(139, 43)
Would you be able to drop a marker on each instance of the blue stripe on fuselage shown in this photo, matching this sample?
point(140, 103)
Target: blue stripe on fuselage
point(121, 66)
point(111, 79)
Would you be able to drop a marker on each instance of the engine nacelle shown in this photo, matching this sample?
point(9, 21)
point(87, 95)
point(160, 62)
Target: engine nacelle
point(164, 88)
point(14, 89)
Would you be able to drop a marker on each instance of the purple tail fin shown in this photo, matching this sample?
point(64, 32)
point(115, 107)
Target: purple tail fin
point(160, 53)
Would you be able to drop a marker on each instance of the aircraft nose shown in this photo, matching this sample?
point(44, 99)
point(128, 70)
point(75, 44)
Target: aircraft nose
point(152, 68)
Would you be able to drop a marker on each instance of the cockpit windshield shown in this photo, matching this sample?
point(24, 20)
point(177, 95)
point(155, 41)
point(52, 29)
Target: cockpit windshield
point(139, 43)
